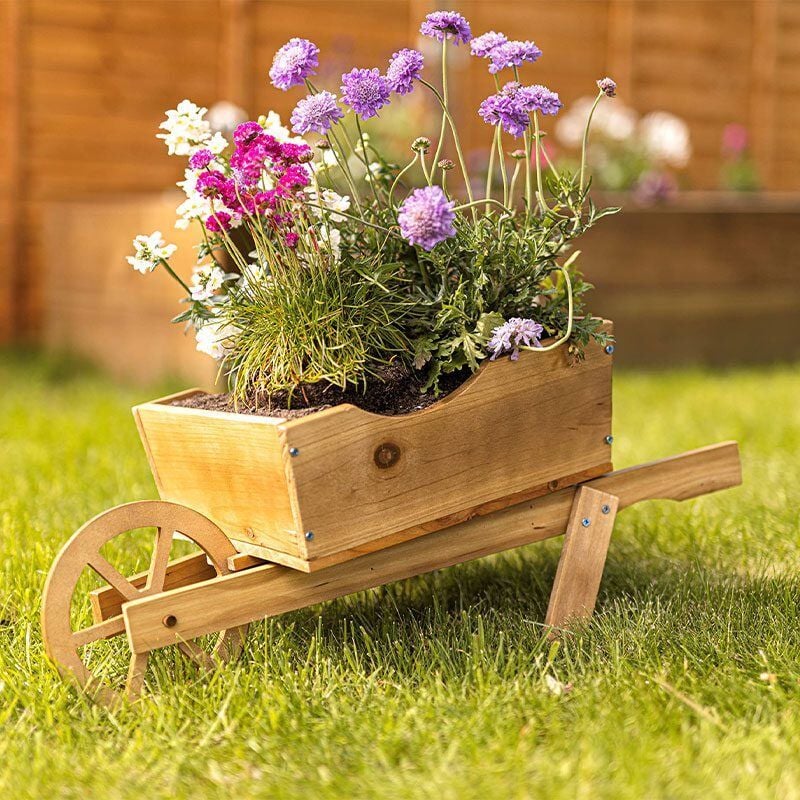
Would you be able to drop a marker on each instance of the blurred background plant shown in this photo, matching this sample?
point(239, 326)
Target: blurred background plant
point(738, 172)
point(646, 155)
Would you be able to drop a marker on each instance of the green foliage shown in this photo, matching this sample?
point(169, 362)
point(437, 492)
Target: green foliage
point(435, 686)
point(313, 320)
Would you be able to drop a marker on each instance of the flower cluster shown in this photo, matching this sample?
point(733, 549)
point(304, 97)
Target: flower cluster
point(320, 257)
point(187, 131)
point(150, 251)
point(511, 107)
point(510, 336)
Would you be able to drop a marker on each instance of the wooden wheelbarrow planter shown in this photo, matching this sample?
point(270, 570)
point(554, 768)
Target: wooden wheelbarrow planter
point(288, 514)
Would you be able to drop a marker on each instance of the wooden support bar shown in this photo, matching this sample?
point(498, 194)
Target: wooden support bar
point(269, 590)
point(580, 568)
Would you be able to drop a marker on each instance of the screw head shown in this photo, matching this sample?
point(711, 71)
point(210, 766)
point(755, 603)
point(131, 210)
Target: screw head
point(309, 535)
point(586, 522)
point(609, 348)
point(606, 509)
point(294, 452)
point(609, 439)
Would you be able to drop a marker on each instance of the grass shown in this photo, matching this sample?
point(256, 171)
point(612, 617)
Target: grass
point(686, 684)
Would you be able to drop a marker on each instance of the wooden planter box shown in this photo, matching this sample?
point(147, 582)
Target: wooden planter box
point(325, 488)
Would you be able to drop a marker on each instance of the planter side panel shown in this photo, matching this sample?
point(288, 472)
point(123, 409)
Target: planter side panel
point(229, 467)
point(516, 431)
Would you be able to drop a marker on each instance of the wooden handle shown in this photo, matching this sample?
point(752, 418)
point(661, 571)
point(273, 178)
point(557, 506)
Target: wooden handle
point(680, 477)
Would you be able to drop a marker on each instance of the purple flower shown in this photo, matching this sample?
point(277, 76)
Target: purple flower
point(218, 221)
point(201, 159)
point(404, 68)
point(365, 91)
point(510, 107)
point(426, 217)
point(210, 184)
point(509, 336)
point(506, 109)
point(247, 133)
point(512, 54)
point(317, 113)
point(607, 86)
point(483, 45)
point(443, 25)
point(293, 63)
point(539, 98)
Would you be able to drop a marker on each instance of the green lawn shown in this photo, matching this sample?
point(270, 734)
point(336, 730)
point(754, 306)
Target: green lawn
point(686, 684)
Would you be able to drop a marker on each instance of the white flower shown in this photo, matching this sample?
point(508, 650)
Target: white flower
point(216, 144)
point(332, 201)
point(666, 138)
point(252, 275)
point(331, 240)
point(187, 131)
point(216, 339)
point(207, 280)
point(149, 250)
point(362, 140)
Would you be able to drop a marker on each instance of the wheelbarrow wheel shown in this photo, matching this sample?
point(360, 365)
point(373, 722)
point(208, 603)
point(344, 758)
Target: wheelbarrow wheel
point(69, 641)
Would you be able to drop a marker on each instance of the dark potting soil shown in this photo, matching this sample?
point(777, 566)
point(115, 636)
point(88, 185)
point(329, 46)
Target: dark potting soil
point(397, 391)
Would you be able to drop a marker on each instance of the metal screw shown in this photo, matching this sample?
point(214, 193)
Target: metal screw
point(586, 522)
point(293, 451)
point(170, 621)
point(309, 535)
point(609, 348)
point(609, 439)
point(606, 509)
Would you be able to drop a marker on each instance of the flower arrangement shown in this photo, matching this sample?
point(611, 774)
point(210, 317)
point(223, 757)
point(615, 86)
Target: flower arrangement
point(320, 262)
point(642, 155)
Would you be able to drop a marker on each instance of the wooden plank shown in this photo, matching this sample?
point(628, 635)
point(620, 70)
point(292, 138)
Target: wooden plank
point(229, 467)
point(485, 446)
point(580, 568)
point(270, 590)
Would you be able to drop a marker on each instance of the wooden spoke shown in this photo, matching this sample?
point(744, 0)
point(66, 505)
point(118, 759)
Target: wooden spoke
point(83, 550)
point(135, 680)
point(158, 564)
point(103, 630)
point(113, 576)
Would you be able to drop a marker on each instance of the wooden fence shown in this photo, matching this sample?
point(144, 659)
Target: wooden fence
point(85, 84)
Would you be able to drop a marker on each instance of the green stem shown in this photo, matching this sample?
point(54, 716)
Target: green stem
point(490, 172)
point(459, 152)
point(356, 219)
point(488, 201)
point(400, 175)
point(177, 277)
point(570, 312)
point(514, 178)
point(542, 201)
point(586, 139)
point(369, 175)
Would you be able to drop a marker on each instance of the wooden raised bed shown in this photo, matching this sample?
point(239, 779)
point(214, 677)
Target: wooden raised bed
point(322, 489)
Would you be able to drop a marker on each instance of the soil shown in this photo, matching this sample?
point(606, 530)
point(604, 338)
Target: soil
point(397, 391)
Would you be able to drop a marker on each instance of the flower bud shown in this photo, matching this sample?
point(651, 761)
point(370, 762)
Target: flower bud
point(324, 144)
point(262, 121)
point(607, 86)
point(446, 164)
point(421, 144)
point(517, 155)
point(306, 156)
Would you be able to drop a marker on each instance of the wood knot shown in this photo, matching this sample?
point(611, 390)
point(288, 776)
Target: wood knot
point(386, 455)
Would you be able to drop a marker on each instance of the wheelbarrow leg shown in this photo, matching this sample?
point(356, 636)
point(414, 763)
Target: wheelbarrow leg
point(583, 557)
